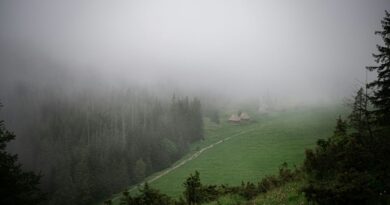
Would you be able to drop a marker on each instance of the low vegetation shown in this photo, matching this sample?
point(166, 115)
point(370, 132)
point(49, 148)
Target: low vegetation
point(197, 193)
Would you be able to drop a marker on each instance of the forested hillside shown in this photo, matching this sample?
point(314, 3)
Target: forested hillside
point(91, 145)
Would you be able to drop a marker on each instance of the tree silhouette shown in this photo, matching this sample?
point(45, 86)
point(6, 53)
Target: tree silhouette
point(381, 85)
point(352, 166)
point(193, 189)
point(16, 186)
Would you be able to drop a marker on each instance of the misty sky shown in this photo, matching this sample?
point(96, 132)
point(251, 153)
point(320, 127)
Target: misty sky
point(304, 49)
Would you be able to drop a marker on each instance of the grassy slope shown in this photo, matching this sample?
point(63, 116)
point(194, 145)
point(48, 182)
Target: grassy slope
point(255, 150)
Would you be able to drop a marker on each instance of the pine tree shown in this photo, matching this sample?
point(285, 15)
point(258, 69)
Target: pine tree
point(381, 85)
point(340, 129)
point(16, 186)
point(150, 196)
point(349, 168)
point(126, 199)
point(356, 118)
point(333, 175)
point(360, 117)
point(193, 189)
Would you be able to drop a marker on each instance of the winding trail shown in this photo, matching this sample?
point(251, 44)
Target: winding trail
point(183, 162)
point(192, 157)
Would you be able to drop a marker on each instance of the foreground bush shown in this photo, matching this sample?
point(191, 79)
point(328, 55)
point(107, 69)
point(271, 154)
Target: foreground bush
point(197, 193)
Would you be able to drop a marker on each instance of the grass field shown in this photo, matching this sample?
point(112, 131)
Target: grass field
point(253, 150)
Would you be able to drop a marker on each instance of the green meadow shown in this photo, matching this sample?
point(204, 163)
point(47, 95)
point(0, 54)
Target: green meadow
point(251, 150)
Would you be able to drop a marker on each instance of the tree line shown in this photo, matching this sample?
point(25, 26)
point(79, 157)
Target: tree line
point(90, 146)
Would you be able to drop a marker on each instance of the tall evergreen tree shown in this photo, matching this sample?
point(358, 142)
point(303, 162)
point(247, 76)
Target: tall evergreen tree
point(356, 118)
point(16, 185)
point(381, 85)
point(353, 167)
point(360, 117)
point(193, 189)
point(150, 196)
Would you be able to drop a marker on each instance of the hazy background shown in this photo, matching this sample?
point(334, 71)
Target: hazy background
point(300, 50)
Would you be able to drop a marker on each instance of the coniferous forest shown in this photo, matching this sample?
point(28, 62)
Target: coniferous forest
point(93, 146)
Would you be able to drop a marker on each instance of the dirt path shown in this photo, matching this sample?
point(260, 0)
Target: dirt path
point(192, 157)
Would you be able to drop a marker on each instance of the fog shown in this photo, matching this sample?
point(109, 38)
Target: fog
point(309, 51)
point(103, 94)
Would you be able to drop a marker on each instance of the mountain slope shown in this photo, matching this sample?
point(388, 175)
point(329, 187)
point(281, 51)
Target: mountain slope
point(250, 151)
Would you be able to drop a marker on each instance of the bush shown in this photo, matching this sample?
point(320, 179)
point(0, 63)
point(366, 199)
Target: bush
point(348, 169)
point(147, 196)
point(248, 190)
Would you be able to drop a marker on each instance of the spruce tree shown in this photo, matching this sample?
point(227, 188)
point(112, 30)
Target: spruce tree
point(193, 189)
point(360, 117)
point(150, 196)
point(381, 86)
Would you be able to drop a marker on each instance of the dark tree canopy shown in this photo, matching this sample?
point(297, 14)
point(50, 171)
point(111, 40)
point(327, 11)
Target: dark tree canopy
point(193, 189)
point(381, 85)
point(352, 166)
point(91, 145)
point(16, 185)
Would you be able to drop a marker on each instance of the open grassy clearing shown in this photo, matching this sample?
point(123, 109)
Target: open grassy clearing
point(252, 150)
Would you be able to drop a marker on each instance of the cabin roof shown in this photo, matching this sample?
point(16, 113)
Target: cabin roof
point(234, 118)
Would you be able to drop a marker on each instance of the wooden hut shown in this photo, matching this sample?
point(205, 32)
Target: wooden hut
point(234, 119)
point(244, 116)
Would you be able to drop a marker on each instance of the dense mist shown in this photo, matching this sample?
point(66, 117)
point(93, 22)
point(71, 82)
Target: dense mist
point(303, 51)
point(102, 94)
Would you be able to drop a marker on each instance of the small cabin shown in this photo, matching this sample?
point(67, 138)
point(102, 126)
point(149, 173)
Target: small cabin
point(244, 116)
point(241, 117)
point(234, 119)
